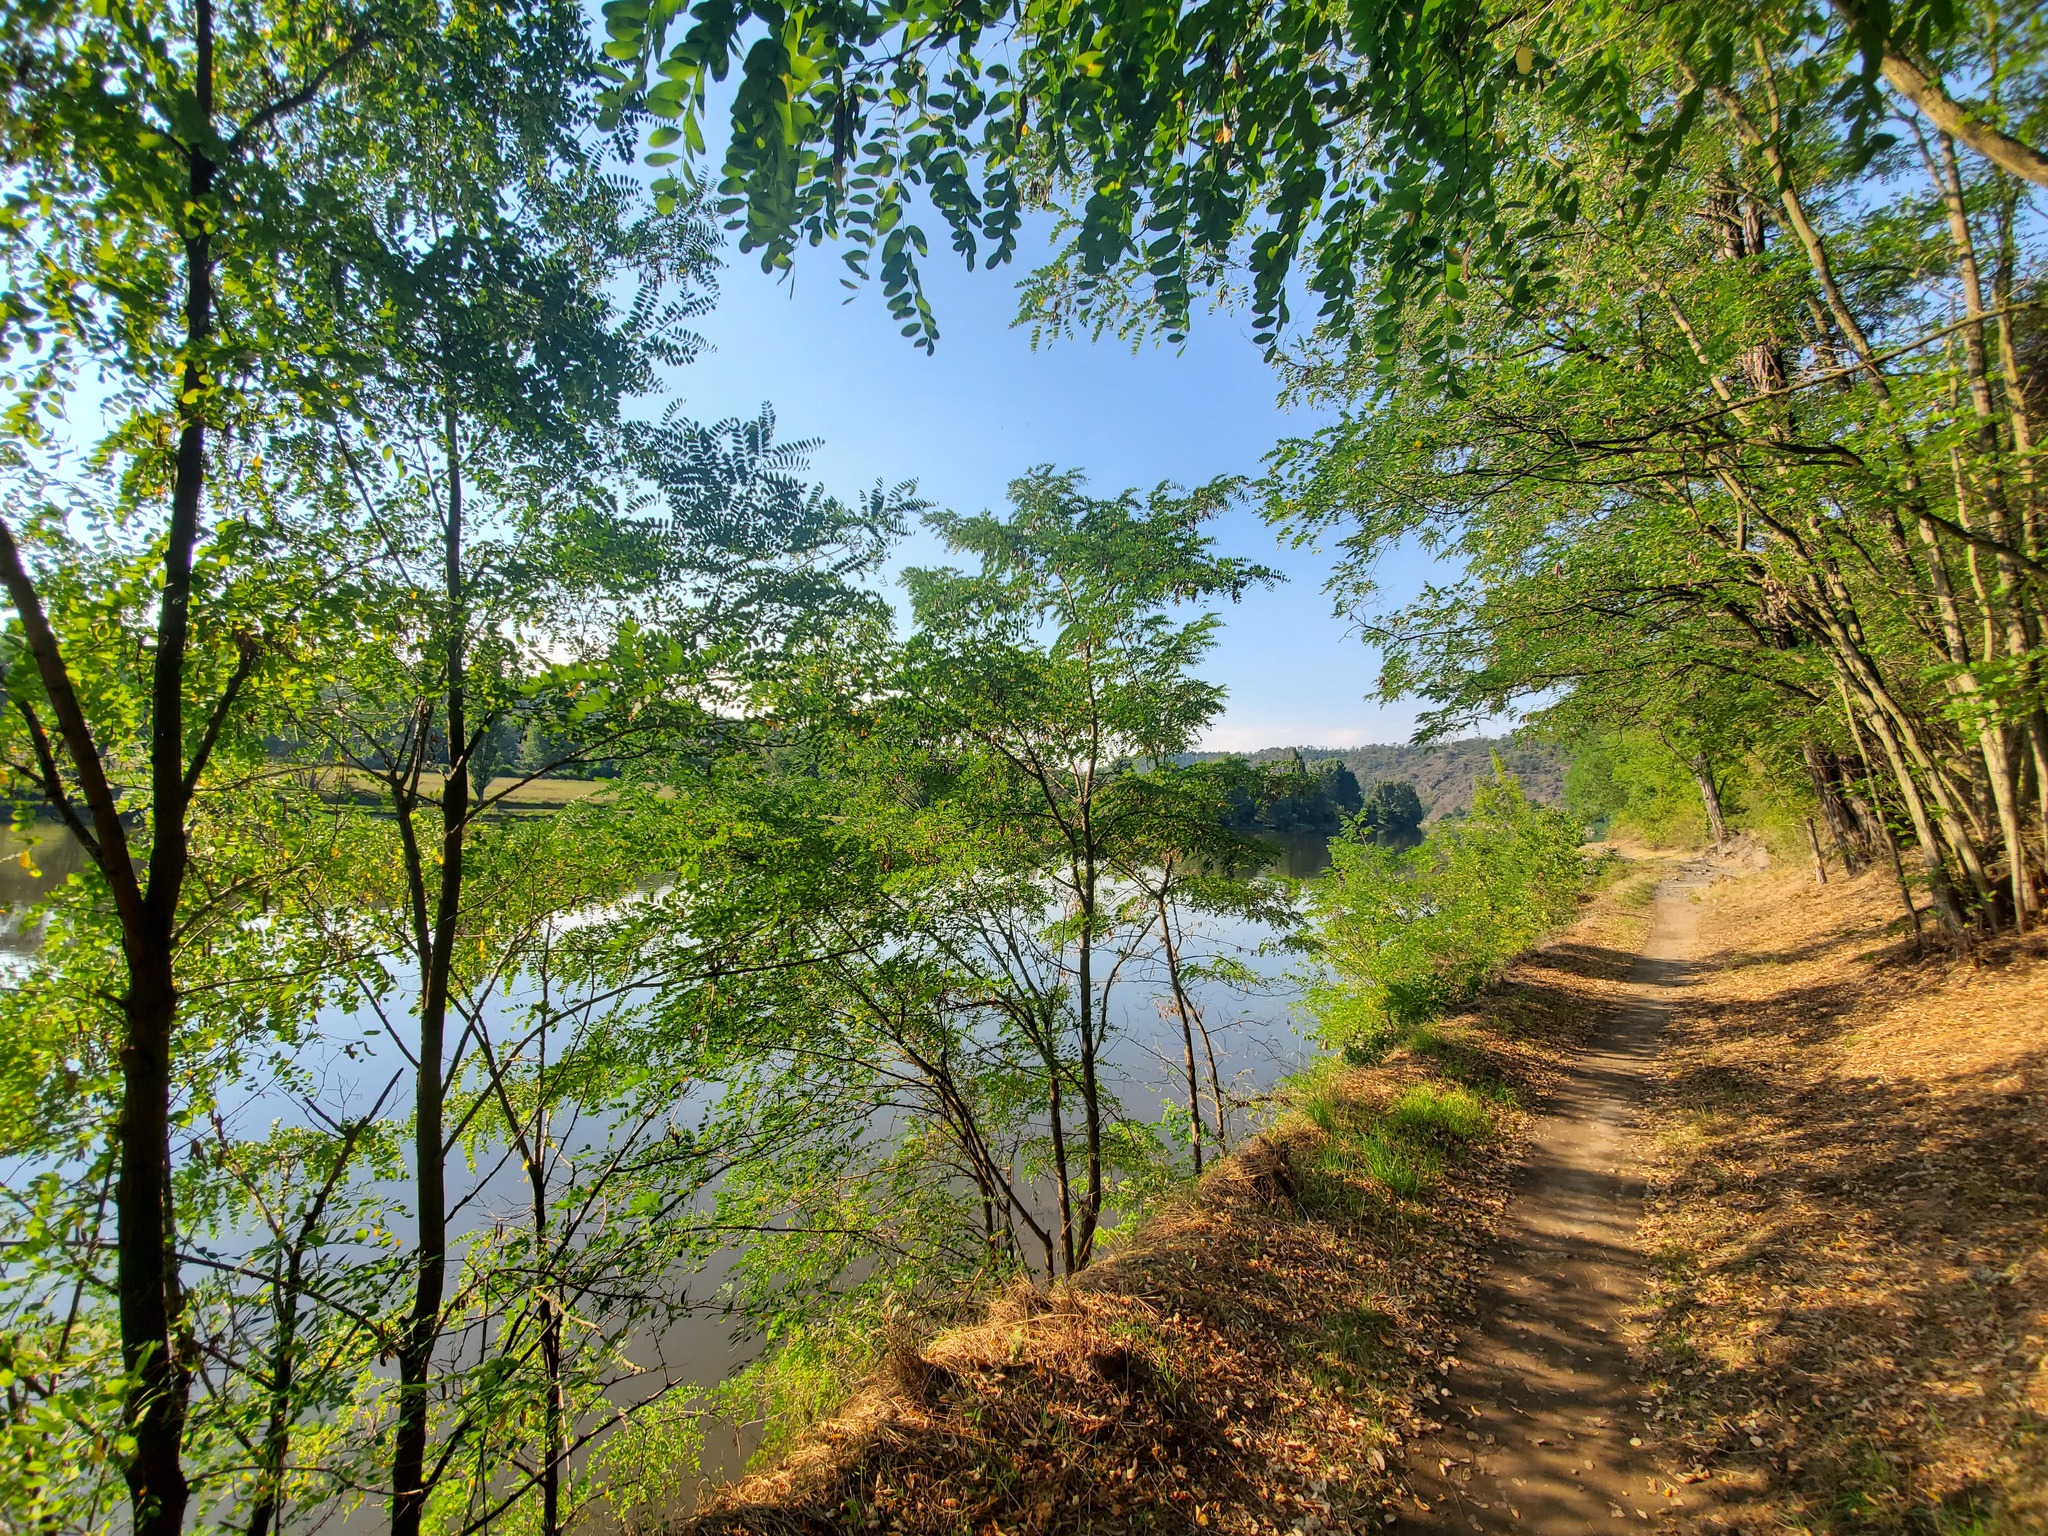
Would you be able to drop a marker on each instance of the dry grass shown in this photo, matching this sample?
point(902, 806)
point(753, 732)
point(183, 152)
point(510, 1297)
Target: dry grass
point(1252, 1361)
point(1849, 1216)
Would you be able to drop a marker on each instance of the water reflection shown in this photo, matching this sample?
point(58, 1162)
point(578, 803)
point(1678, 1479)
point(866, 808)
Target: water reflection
point(1302, 854)
point(348, 1059)
point(32, 867)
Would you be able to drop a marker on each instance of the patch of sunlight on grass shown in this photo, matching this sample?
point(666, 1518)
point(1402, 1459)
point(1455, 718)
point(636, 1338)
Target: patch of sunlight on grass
point(1641, 894)
point(1428, 1113)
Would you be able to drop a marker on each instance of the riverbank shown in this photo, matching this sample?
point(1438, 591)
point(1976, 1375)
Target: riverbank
point(1823, 1305)
point(1263, 1353)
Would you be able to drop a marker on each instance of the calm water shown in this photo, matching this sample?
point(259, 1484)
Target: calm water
point(30, 869)
point(1255, 1037)
point(1302, 854)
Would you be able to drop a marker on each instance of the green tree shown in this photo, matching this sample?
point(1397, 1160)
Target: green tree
point(1186, 865)
point(596, 583)
point(1377, 157)
point(1746, 472)
point(1392, 812)
point(190, 165)
point(1043, 677)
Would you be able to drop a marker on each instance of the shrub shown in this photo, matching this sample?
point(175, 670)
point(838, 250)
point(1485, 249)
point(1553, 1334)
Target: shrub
point(1404, 937)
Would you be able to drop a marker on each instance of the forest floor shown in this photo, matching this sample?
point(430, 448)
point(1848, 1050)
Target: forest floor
point(1549, 1431)
point(1723, 1212)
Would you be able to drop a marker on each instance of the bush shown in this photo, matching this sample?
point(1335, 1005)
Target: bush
point(1404, 937)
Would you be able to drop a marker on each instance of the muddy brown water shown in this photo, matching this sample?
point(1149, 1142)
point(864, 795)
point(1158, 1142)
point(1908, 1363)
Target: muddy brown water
point(1542, 1429)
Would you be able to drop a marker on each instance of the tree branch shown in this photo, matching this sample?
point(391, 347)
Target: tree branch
point(1925, 92)
point(245, 663)
point(285, 105)
point(116, 865)
point(52, 781)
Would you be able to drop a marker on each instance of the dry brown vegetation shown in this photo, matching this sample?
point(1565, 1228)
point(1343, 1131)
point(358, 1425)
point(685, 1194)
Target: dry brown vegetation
point(1255, 1358)
point(1849, 1221)
point(1846, 1334)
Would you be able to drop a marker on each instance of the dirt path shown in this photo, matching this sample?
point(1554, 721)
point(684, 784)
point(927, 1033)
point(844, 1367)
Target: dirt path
point(1542, 1428)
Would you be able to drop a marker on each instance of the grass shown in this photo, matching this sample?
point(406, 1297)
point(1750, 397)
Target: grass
point(1444, 1115)
point(1639, 895)
point(1253, 1356)
point(1347, 1352)
point(1397, 1150)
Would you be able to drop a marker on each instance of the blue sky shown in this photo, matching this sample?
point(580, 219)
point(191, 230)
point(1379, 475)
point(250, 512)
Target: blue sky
point(965, 422)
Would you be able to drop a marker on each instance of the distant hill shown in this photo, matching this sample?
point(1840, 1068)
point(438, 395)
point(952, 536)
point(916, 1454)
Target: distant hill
point(1442, 773)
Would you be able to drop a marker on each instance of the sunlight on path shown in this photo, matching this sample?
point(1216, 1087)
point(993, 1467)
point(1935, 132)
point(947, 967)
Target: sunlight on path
point(1543, 1431)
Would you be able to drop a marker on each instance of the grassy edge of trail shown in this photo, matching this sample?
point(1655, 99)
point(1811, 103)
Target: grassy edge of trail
point(1252, 1359)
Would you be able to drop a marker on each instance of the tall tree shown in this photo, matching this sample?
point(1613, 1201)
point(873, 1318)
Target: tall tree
point(1748, 459)
point(1046, 676)
point(188, 161)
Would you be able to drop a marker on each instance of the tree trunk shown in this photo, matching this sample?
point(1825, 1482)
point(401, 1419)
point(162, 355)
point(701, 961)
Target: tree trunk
point(154, 1414)
point(1820, 864)
point(551, 1335)
point(1710, 797)
point(288, 1289)
point(1875, 815)
point(147, 1279)
point(1059, 1159)
point(1091, 1088)
point(423, 1325)
point(1923, 826)
point(1926, 92)
point(276, 1444)
point(1992, 736)
point(272, 1456)
point(1821, 773)
point(1182, 1008)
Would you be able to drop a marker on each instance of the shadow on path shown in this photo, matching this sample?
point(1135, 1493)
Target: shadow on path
point(1541, 1407)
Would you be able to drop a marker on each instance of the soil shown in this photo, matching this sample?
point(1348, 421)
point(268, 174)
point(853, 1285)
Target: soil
point(1549, 1436)
point(1256, 1358)
point(1769, 1254)
point(1849, 1309)
point(1778, 1257)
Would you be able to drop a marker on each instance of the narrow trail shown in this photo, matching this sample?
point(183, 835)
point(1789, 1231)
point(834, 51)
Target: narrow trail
point(1542, 1431)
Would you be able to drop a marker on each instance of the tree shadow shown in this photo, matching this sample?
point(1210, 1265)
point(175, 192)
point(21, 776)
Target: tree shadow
point(1847, 1314)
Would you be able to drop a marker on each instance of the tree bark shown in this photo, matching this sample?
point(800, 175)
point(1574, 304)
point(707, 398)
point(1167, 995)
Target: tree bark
point(1921, 88)
point(1820, 772)
point(1875, 815)
point(1091, 1088)
point(1183, 1008)
point(1215, 1087)
point(1710, 797)
point(1820, 863)
point(147, 1279)
point(1923, 826)
point(422, 1331)
point(1061, 1173)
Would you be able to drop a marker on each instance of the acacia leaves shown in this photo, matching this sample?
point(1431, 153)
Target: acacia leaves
point(1381, 158)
